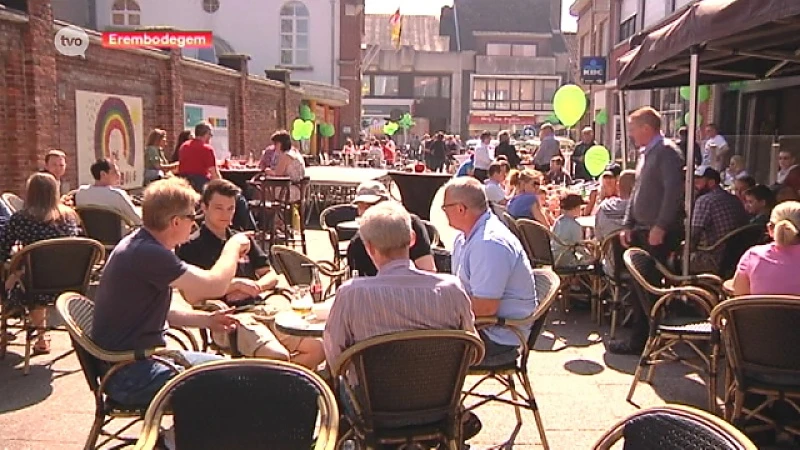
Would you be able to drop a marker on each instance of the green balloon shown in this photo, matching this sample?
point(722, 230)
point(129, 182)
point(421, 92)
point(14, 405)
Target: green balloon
point(297, 135)
point(297, 124)
point(305, 113)
point(308, 129)
point(699, 119)
point(596, 159)
point(601, 118)
point(327, 130)
point(703, 93)
point(569, 104)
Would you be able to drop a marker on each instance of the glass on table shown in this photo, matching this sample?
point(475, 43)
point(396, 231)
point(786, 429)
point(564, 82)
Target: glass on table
point(301, 299)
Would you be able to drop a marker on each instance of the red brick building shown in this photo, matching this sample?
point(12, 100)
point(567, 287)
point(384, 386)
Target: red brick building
point(38, 86)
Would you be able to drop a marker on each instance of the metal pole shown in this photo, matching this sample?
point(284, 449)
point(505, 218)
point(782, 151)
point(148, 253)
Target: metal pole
point(623, 130)
point(692, 136)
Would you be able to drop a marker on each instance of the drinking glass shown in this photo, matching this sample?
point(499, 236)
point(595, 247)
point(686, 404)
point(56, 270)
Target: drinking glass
point(301, 299)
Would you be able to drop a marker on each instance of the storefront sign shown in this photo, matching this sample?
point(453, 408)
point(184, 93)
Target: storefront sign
point(593, 70)
point(501, 120)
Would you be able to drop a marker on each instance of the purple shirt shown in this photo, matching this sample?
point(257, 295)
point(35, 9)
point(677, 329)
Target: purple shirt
point(772, 270)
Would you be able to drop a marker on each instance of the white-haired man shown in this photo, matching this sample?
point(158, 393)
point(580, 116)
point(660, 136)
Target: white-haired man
point(400, 297)
point(491, 264)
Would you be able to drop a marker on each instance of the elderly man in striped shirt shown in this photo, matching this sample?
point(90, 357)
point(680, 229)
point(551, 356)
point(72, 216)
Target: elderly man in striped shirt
point(401, 297)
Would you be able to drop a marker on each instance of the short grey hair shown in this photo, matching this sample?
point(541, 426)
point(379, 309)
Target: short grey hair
point(387, 227)
point(468, 191)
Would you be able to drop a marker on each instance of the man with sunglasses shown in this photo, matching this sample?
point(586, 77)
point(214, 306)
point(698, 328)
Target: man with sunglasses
point(492, 266)
point(134, 300)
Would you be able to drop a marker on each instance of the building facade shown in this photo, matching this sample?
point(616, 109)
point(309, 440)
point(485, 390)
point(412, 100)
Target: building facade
point(421, 77)
point(607, 29)
point(314, 40)
point(521, 58)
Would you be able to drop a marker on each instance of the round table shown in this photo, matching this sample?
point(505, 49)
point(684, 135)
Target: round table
point(295, 324)
point(586, 221)
point(346, 230)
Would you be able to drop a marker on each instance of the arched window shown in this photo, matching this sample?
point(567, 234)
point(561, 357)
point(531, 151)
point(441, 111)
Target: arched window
point(294, 34)
point(125, 13)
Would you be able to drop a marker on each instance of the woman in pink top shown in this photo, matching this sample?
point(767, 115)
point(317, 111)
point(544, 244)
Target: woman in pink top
point(771, 269)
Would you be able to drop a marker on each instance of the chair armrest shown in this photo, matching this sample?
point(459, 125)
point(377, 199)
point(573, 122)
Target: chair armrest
point(693, 294)
point(330, 269)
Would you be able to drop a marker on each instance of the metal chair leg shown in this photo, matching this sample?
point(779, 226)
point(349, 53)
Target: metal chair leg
point(526, 384)
point(643, 359)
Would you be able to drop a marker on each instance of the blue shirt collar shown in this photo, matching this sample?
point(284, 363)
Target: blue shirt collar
point(481, 223)
point(657, 139)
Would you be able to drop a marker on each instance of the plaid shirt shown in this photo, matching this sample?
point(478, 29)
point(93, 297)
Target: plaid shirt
point(716, 214)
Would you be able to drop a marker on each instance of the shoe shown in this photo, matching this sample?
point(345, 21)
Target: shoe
point(625, 348)
point(470, 426)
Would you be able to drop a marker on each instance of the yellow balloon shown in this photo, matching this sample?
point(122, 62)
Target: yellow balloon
point(569, 104)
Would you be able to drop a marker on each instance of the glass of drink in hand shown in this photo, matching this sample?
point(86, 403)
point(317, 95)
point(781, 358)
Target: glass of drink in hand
point(301, 300)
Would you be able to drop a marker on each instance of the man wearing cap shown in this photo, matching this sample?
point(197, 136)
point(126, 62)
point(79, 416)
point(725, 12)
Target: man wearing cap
point(717, 212)
point(369, 194)
point(653, 219)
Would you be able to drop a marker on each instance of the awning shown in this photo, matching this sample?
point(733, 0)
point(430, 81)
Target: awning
point(737, 40)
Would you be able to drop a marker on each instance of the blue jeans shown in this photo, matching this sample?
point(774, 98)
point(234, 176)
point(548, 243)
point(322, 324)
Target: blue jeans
point(138, 383)
point(497, 354)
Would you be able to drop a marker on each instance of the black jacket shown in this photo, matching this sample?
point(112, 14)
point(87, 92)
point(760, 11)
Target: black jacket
point(509, 151)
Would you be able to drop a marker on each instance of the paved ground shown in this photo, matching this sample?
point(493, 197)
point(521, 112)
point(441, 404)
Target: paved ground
point(581, 388)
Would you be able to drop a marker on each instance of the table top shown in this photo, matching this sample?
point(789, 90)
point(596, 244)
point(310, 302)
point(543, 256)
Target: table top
point(293, 323)
point(586, 221)
point(340, 175)
point(350, 225)
point(241, 169)
point(438, 175)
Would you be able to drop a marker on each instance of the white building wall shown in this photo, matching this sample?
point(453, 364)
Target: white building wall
point(251, 26)
point(654, 10)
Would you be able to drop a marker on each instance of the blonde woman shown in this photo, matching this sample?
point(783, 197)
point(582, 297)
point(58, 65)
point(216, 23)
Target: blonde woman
point(735, 170)
point(155, 162)
point(526, 204)
point(771, 269)
point(43, 217)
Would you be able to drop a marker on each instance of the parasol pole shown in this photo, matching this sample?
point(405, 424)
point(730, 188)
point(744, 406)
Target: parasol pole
point(694, 63)
point(623, 129)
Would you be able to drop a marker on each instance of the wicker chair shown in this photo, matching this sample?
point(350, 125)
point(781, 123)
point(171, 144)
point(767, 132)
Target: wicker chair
point(99, 366)
point(13, 201)
point(103, 224)
point(297, 268)
point(733, 245)
point(666, 329)
point(407, 386)
point(617, 278)
point(328, 219)
point(547, 287)
point(49, 267)
point(271, 404)
point(757, 332)
point(273, 204)
point(536, 239)
point(674, 427)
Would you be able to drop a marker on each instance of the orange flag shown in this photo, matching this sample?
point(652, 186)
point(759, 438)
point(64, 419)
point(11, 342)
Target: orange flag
point(396, 25)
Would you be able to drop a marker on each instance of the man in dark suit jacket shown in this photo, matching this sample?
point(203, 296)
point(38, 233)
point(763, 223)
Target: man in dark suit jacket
point(653, 219)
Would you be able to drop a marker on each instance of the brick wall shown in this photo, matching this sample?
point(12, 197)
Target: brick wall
point(15, 123)
point(37, 94)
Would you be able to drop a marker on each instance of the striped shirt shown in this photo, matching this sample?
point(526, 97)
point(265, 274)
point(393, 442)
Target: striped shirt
point(399, 298)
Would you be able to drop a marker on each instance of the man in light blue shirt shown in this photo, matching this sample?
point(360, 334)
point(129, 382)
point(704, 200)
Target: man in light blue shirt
point(491, 264)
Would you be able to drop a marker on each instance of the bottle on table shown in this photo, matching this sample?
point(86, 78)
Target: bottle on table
point(316, 285)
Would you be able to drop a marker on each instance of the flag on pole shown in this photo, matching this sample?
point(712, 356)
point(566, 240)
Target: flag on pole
point(396, 25)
